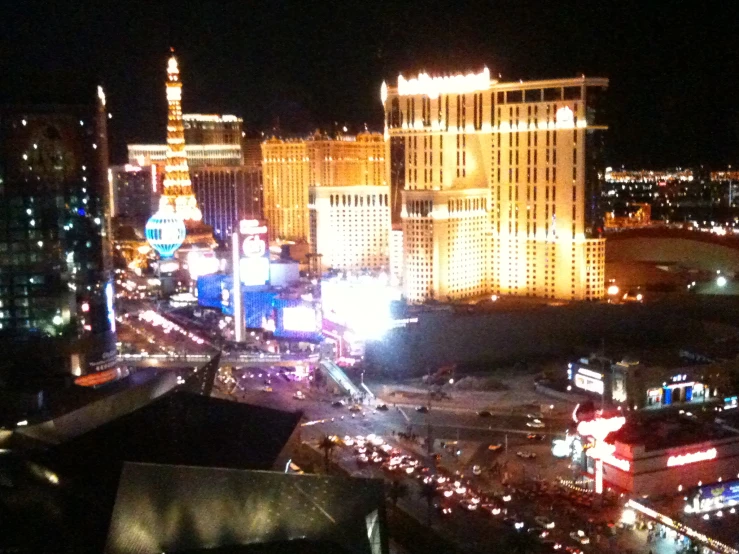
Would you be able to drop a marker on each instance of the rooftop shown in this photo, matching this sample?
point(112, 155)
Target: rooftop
point(663, 430)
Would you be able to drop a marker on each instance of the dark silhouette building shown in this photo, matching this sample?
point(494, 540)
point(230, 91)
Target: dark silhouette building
point(56, 293)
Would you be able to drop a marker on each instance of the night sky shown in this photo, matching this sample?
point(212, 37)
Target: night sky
point(303, 64)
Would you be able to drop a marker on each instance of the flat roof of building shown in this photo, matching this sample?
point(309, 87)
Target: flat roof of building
point(662, 430)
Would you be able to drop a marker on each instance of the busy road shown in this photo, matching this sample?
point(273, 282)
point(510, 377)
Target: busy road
point(492, 474)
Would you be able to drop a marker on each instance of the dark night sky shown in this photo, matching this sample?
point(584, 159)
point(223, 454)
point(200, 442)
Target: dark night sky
point(673, 65)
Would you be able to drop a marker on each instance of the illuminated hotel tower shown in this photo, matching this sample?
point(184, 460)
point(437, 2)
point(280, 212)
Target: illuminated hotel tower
point(332, 193)
point(499, 185)
point(177, 191)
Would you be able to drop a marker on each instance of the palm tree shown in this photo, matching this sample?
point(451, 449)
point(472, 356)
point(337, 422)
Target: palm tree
point(396, 490)
point(327, 444)
point(429, 493)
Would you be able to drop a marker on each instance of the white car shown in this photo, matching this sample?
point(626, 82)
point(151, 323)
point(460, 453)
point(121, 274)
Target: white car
point(476, 470)
point(544, 522)
point(535, 423)
point(299, 395)
point(580, 537)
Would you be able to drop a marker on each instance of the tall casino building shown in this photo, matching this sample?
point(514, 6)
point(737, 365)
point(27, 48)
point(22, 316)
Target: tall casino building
point(495, 185)
point(56, 291)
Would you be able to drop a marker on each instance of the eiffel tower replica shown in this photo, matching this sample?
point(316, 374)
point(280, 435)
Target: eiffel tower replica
point(177, 194)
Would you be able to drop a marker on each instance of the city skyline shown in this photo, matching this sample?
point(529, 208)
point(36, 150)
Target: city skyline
point(284, 64)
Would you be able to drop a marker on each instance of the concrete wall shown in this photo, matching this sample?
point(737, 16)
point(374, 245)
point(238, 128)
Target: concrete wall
point(688, 253)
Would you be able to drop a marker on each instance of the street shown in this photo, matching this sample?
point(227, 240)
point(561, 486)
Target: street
point(461, 440)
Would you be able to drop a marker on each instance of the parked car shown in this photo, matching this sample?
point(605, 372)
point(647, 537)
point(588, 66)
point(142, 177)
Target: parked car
point(422, 409)
point(484, 413)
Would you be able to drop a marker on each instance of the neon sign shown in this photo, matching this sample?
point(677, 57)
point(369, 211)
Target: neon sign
point(251, 227)
point(588, 384)
point(450, 84)
point(600, 428)
point(693, 457)
point(565, 118)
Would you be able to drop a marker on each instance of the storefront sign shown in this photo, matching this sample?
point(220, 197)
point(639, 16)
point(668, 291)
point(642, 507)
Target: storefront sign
point(693, 457)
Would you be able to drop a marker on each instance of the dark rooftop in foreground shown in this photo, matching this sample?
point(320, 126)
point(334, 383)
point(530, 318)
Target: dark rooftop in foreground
point(65, 495)
point(181, 509)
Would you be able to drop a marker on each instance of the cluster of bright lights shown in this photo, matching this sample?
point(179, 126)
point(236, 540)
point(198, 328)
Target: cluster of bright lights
point(168, 326)
point(681, 528)
point(600, 428)
point(450, 84)
point(201, 263)
point(361, 304)
point(691, 458)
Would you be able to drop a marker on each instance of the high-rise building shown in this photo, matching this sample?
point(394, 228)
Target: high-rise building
point(132, 191)
point(56, 291)
point(501, 185)
point(348, 204)
point(227, 195)
point(285, 169)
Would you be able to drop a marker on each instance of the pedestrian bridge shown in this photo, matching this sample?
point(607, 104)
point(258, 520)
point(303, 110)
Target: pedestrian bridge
point(260, 359)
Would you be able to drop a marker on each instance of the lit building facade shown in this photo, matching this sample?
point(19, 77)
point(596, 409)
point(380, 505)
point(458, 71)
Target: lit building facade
point(285, 170)
point(350, 226)
point(228, 194)
point(198, 155)
point(347, 206)
point(56, 290)
point(500, 186)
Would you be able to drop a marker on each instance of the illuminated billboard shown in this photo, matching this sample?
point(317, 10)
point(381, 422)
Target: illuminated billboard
point(254, 261)
point(296, 318)
point(254, 271)
point(299, 318)
point(201, 263)
point(362, 304)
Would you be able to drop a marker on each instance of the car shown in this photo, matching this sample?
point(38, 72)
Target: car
point(468, 505)
point(267, 389)
point(580, 537)
point(422, 409)
point(381, 408)
point(338, 404)
point(484, 413)
point(443, 508)
point(355, 408)
point(492, 509)
point(495, 447)
point(537, 415)
point(535, 423)
point(525, 454)
point(545, 522)
point(538, 532)
point(535, 437)
point(476, 470)
point(299, 395)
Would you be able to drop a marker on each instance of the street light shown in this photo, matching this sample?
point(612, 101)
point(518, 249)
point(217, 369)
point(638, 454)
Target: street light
point(721, 281)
